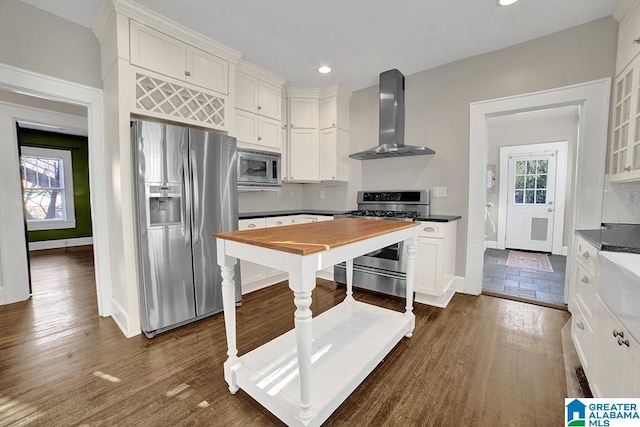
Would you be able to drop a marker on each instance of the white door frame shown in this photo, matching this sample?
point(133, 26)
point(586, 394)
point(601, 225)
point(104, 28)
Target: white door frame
point(560, 148)
point(14, 284)
point(592, 98)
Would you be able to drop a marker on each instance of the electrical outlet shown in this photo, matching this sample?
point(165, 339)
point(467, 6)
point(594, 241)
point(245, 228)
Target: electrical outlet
point(439, 192)
point(631, 198)
point(322, 194)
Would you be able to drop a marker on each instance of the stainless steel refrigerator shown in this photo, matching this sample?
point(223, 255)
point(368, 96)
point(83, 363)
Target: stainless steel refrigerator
point(186, 190)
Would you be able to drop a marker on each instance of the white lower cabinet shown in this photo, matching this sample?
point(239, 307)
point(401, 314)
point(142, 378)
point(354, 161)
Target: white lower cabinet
point(616, 361)
point(249, 271)
point(435, 262)
point(256, 276)
point(583, 338)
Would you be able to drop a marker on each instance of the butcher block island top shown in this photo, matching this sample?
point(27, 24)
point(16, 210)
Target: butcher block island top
point(305, 239)
point(305, 374)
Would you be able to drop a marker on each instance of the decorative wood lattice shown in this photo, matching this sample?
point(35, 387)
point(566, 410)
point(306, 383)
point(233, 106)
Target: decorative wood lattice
point(162, 97)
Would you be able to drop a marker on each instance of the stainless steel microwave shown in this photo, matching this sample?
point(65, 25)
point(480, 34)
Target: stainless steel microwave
point(258, 168)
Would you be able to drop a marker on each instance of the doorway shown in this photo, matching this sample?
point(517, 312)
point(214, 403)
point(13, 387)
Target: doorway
point(13, 278)
point(587, 173)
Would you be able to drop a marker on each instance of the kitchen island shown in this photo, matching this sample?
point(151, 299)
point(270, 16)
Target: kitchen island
point(305, 374)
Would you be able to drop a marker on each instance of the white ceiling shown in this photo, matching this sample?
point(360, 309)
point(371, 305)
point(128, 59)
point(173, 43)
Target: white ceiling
point(358, 38)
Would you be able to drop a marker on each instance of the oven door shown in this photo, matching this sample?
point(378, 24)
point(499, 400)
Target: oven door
point(391, 258)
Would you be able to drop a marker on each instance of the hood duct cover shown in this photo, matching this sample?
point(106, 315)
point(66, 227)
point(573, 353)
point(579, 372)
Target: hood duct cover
point(391, 140)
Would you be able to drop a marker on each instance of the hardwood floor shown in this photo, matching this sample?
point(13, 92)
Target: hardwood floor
point(483, 361)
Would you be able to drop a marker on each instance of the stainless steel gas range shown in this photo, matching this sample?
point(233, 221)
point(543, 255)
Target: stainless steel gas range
point(384, 270)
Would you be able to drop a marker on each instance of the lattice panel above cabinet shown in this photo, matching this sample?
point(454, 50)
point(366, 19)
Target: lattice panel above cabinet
point(171, 99)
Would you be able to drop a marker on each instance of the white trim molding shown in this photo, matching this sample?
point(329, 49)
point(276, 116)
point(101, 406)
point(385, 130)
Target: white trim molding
point(592, 98)
point(13, 263)
point(61, 243)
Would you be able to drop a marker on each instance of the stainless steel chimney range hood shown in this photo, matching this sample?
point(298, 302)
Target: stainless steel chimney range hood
point(391, 140)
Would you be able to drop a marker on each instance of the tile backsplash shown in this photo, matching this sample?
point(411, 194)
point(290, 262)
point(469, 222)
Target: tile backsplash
point(618, 207)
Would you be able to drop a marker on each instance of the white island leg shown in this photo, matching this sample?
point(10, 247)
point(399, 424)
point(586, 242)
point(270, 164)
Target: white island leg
point(411, 277)
point(229, 306)
point(349, 280)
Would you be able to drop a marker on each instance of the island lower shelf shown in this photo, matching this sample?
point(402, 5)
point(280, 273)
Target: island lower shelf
point(348, 342)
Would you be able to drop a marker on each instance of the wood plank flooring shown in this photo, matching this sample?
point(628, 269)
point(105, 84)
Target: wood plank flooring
point(483, 361)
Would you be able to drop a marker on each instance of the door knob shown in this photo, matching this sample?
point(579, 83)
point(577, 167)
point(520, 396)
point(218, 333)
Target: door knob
point(550, 210)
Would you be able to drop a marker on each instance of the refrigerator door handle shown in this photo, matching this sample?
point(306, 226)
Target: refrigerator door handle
point(188, 196)
point(196, 199)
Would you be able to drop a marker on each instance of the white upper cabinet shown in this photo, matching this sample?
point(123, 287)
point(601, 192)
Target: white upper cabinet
point(207, 70)
point(257, 96)
point(161, 53)
point(334, 112)
point(303, 113)
point(628, 37)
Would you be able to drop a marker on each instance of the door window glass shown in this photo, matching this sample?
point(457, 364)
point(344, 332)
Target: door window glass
point(530, 183)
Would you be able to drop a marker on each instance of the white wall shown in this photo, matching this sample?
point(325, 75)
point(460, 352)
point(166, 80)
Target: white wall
point(553, 125)
point(437, 110)
point(39, 41)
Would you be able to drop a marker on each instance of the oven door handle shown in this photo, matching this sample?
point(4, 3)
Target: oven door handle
point(376, 272)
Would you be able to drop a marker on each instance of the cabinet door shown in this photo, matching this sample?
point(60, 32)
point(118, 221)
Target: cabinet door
point(334, 155)
point(625, 139)
point(303, 155)
point(303, 113)
point(246, 92)
point(628, 32)
point(269, 133)
point(207, 70)
point(328, 112)
point(157, 51)
point(247, 127)
point(327, 154)
point(269, 100)
point(250, 272)
point(429, 254)
point(613, 362)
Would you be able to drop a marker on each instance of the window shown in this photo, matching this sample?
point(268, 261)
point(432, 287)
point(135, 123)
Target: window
point(47, 188)
point(531, 182)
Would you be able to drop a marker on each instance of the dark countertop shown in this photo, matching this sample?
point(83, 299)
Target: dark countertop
point(614, 237)
point(440, 218)
point(266, 214)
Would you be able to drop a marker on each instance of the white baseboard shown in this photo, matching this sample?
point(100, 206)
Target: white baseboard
point(62, 243)
point(440, 302)
point(490, 244)
point(121, 319)
point(263, 283)
point(327, 275)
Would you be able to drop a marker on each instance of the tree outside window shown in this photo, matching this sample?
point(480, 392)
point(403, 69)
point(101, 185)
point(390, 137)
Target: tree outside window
point(47, 188)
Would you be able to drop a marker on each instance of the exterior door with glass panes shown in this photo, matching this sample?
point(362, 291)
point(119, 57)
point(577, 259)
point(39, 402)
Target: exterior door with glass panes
point(530, 196)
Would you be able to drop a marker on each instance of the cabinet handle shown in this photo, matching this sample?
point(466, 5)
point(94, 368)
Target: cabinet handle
point(586, 255)
point(187, 73)
point(580, 325)
point(291, 125)
point(284, 126)
point(251, 226)
point(259, 138)
point(429, 229)
point(278, 222)
point(584, 279)
point(333, 124)
point(637, 41)
point(618, 334)
point(259, 107)
point(628, 168)
point(621, 341)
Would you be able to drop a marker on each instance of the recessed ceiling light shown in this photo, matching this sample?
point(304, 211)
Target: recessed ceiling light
point(324, 69)
point(506, 2)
